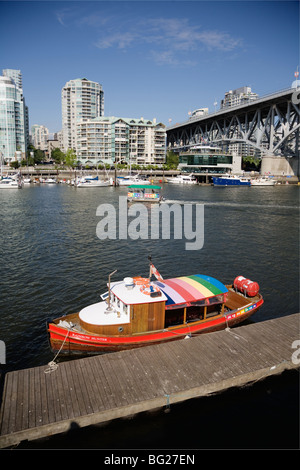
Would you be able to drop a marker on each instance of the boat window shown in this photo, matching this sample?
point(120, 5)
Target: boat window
point(198, 303)
point(195, 313)
point(174, 317)
point(215, 300)
point(213, 310)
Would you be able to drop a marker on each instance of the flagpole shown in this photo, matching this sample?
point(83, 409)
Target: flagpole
point(297, 75)
point(150, 267)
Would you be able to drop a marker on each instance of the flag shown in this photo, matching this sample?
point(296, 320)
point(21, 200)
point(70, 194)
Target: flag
point(156, 273)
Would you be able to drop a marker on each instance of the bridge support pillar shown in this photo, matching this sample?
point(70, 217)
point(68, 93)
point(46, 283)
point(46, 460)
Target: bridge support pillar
point(280, 166)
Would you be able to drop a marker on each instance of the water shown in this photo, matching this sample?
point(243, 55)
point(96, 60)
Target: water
point(53, 263)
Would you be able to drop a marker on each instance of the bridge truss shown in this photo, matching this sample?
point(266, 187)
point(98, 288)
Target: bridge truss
point(270, 124)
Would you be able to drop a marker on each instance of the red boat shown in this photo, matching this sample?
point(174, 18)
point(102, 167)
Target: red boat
point(137, 312)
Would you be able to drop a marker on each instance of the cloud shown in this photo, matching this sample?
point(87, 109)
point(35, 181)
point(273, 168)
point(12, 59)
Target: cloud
point(180, 35)
point(60, 15)
point(169, 40)
point(121, 40)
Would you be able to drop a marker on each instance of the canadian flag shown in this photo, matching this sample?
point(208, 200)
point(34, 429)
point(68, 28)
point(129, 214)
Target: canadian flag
point(156, 273)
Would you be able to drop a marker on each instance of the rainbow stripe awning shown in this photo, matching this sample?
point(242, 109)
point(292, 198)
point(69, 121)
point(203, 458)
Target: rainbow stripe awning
point(182, 291)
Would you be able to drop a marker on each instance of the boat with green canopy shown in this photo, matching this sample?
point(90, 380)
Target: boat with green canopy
point(144, 193)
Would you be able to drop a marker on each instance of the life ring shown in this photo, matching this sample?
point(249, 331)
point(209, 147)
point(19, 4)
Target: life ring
point(140, 281)
point(149, 289)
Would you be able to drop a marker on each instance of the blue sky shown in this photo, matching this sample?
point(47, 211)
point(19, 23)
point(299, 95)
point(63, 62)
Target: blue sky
point(153, 58)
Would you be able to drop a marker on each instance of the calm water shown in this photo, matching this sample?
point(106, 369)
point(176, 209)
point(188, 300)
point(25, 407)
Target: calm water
point(53, 263)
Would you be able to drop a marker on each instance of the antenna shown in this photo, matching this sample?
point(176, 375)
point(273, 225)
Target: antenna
point(109, 309)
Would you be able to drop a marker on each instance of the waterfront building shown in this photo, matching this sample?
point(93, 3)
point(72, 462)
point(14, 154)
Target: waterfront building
point(14, 121)
point(112, 140)
point(82, 100)
point(209, 159)
point(39, 136)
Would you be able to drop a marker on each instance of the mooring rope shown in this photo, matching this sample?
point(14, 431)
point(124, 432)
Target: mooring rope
point(52, 364)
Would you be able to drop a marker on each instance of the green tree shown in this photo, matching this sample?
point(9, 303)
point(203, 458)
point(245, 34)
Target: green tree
point(251, 163)
point(172, 159)
point(71, 158)
point(38, 155)
point(58, 156)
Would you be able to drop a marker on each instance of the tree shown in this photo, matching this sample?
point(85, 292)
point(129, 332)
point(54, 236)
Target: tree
point(58, 156)
point(38, 156)
point(251, 163)
point(71, 158)
point(172, 160)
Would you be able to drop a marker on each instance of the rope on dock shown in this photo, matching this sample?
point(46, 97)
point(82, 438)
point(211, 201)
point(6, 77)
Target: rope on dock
point(52, 364)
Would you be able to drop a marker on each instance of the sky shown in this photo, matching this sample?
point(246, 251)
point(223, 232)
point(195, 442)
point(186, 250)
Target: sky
point(154, 59)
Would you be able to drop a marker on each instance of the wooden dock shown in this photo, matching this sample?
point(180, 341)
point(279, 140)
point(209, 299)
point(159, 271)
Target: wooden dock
point(37, 403)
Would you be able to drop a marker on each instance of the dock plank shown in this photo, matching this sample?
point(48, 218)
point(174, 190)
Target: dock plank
point(96, 389)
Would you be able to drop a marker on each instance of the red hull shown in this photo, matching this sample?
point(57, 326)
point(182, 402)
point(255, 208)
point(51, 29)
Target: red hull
point(69, 341)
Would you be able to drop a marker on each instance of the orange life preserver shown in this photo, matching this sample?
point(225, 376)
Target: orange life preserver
point(149, 289)
point(140, 281)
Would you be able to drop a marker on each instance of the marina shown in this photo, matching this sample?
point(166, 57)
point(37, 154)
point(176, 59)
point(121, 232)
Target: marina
point(42, 401)
point(57, 262)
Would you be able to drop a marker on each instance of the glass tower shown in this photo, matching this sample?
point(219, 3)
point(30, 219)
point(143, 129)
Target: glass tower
point(14, 128)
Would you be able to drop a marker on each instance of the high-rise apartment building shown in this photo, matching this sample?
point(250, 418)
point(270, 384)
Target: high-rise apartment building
point(240, 96)
point(39, 136)
point(81, 99)
point(117, 140)
point(14, 122)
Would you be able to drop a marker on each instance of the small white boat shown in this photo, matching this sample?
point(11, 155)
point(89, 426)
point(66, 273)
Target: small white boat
point(130, 179)
point(263, 181)
point(182, 179)
point(50, 181)
point(92, 182)
point(10, 183)
point(26, 180)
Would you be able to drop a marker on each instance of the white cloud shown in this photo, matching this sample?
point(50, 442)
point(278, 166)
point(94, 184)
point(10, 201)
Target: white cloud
point(121, 40)
point(171, 41)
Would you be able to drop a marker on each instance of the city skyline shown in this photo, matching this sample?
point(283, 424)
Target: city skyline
point(156, 59)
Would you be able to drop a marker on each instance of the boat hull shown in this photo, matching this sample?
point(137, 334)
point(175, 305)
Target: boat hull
point(258, 183)
point(69, 341)
point(230, 182)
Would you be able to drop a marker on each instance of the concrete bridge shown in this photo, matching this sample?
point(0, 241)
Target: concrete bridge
point(270, 124)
